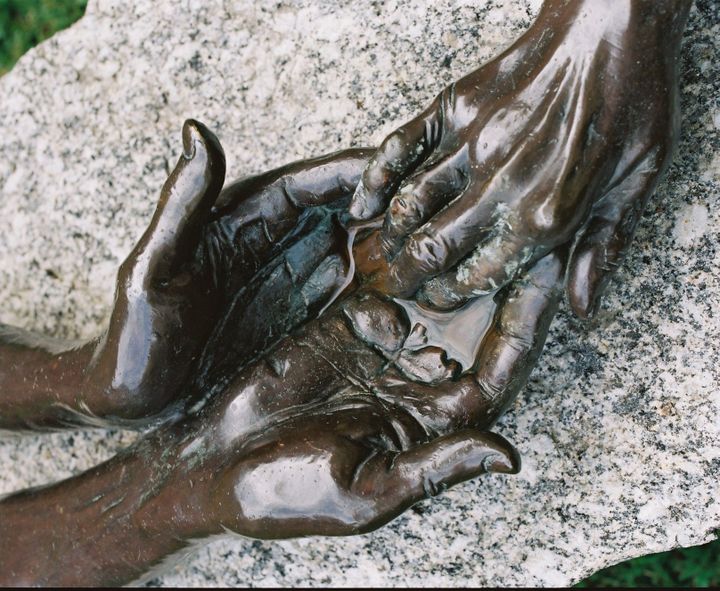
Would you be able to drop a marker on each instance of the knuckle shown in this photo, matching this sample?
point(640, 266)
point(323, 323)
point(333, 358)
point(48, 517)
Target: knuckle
point(393, 149)
point(491, 387)
point(547, 272)
point(520, 336)
point(404, 208)
point(547, 222)
point(375, 176)
point(429, 251)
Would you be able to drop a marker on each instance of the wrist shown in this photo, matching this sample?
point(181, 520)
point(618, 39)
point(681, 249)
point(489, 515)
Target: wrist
point(40, 379)
point(175, 489)
point(107, 526)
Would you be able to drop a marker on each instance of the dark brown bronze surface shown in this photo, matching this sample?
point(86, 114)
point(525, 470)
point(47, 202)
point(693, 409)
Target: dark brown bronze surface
point(335, 428)
point(560, 139)
point(274, 420)
point(190, 275)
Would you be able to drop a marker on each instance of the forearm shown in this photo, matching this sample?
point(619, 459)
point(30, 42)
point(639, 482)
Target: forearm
point(125, 376)
point(114, 523)
point(107, 526)
point(40, 379)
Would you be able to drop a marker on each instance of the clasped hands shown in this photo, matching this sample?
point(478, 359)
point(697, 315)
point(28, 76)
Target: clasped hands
point(273, 420)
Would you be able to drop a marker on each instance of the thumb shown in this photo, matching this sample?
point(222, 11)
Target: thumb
point(184, 205)
point(428, 469)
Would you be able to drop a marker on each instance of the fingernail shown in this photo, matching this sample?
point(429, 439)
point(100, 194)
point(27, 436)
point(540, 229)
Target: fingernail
point(189, 134)
point(358, 204)
point(591, 310)
point(503, 464)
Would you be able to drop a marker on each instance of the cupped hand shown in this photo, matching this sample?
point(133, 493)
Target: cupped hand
point(334, 430)
point(351, 419)
point(560, 139)
point(181, 320)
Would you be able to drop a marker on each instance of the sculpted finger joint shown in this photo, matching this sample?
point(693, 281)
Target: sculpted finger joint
point(490, 390)
point(429, 252)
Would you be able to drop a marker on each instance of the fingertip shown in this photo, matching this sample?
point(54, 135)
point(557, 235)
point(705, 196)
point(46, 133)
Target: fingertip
point(197, 135)
point(585, 307)
point(363, 204)
point(436, 295)
point(401, 219)
point(504, 463)
point(579, 305)
point(499, 455)
point(583, 285)
point(469, 454)
point(381, 177)
point(190, 136)
point(197, 178)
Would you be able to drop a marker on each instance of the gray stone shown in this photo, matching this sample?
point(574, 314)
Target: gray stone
point(619, 426)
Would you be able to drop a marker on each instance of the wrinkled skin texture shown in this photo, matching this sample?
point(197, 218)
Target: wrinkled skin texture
point(363, 428)
point(334, 430)
point(560, 139)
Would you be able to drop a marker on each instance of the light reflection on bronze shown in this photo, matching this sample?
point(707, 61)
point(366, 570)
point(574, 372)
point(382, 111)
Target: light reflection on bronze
point(561, 138)
point(272, 420)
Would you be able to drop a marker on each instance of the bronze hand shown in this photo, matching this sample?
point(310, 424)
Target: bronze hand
point(336, 430)
point(194, 274)
point(560, 139)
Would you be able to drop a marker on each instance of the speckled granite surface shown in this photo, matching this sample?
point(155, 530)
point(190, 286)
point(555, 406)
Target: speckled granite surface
point(620, 424)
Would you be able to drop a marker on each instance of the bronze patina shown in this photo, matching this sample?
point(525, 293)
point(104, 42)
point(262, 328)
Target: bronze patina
point(316, 348)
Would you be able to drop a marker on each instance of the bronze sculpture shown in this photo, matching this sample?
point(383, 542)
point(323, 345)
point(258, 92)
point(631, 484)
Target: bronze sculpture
point(560, 139)
point(357, 400)
point(367, 439)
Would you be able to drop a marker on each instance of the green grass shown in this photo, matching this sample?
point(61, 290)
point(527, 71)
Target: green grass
point(686, 567)
point(25, 23)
